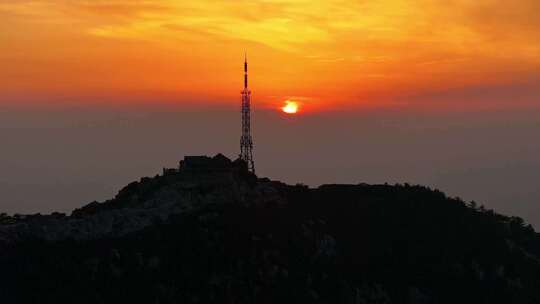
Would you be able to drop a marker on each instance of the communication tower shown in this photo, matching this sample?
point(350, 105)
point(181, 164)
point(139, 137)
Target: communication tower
point(246, 143)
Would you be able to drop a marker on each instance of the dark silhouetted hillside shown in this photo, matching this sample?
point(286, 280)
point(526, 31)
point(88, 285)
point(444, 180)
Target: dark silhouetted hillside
point(211, 232)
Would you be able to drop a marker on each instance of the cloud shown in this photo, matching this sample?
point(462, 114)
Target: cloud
point(458, 26)
point(332, 47)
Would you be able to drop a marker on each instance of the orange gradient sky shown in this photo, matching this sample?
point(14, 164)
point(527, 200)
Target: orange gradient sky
point(324, 54)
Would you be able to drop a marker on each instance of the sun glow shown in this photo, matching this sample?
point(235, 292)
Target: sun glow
point(362, 54)
point(290, 107)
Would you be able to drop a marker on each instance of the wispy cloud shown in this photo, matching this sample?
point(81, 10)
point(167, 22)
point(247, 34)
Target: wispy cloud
point(370, 45)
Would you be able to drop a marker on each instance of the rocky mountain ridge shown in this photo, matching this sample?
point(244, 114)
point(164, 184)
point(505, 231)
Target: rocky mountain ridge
point(198, 181)
point(212, 232)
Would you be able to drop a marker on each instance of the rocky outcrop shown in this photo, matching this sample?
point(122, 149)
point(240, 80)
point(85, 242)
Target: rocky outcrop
point(198, 182)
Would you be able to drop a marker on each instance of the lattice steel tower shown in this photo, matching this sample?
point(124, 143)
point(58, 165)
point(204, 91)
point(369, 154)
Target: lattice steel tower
point(246, 143)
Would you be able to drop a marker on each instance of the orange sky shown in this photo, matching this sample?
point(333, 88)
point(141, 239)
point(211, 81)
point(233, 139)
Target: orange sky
point(326, 54)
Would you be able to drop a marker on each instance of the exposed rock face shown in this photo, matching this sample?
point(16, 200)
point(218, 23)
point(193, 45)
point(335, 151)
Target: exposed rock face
point(200, 181)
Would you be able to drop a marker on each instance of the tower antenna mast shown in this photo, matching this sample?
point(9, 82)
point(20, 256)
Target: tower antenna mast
point(246, 143)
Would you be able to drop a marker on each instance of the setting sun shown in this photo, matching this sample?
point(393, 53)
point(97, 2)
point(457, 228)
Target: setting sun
point(290, 107)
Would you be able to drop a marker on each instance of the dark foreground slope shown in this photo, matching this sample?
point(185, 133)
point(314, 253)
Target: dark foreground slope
point(213, 233)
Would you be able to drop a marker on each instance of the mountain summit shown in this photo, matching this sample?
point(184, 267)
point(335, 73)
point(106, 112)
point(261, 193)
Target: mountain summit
point(210, 231)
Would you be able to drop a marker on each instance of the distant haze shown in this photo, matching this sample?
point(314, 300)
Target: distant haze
point(59, 159)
